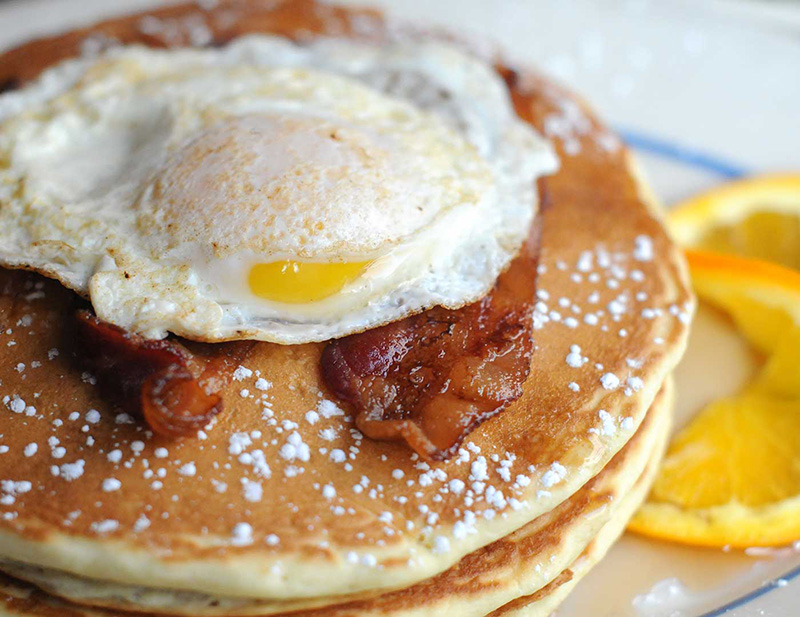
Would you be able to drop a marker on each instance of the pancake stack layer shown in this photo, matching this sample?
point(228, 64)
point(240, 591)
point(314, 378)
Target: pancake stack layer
point(283, 506)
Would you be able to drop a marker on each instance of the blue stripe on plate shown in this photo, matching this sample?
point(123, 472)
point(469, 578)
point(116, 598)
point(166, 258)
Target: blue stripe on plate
point(682, 154)
point(756, 593)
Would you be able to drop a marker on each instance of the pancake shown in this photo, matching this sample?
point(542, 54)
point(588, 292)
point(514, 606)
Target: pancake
point(283, 500)
point(532, 558)
point(545, 601)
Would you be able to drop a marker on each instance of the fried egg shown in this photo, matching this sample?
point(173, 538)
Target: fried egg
point(267, 190)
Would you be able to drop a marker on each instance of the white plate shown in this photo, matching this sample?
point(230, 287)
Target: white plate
point(704, 92)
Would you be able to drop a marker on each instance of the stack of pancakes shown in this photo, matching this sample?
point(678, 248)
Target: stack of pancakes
point(284, 507)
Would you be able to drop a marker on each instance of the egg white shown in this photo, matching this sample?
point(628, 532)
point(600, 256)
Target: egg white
point(153, 180)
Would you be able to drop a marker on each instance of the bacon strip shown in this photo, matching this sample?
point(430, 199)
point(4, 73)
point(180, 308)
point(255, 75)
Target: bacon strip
point(175, 389)
point(430, 379)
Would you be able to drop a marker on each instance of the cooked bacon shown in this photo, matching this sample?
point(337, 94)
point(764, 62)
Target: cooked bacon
point(175, 389)
point(430, 379)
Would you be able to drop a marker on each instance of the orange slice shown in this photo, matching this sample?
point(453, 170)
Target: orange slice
point(757, 217)
point(732, 475)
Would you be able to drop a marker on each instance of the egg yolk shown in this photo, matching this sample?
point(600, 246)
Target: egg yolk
point(296, 282)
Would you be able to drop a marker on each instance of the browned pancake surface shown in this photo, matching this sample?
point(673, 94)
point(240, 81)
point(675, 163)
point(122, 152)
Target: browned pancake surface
point(491, 568)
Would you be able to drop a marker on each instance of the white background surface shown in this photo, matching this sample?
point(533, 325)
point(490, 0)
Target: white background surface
point(721, 78)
